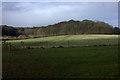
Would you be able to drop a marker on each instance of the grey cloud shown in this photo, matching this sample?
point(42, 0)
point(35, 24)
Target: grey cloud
point(47, 13)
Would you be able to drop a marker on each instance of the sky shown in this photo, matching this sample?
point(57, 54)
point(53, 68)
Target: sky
point(29, 14)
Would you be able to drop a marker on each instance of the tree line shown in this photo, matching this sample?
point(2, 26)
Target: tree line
point(70, 27)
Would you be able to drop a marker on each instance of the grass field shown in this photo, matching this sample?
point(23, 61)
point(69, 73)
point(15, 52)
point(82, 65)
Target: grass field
point(68, 40)
point(83, 62)
point(72, 62)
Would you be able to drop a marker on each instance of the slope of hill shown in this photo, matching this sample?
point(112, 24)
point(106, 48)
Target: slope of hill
point(69, 28)
point(68, 40)
point(9, 31)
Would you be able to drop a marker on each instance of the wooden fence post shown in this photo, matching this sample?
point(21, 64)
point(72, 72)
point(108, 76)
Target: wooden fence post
point(88, 43)
point(68, 43)
point(108, 42)
point(4, 41)
point(46, 44)
point(9, 47)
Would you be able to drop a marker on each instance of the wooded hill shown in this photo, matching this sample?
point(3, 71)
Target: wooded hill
point(63, 28)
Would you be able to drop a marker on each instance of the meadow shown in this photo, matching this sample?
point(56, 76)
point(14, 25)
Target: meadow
point(68, 41)
point(84, 60)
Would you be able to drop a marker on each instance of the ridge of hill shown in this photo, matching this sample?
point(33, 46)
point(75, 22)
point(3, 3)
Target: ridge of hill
point(70, 27)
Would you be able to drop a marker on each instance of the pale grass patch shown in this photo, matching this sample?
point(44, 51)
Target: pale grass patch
point(67, 37)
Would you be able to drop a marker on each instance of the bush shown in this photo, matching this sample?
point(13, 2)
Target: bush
point(29, 47)
point(60, 47)
point(100, 45)
point(42, 48)
point(104, 45)
point(95, 45)
point(53, 47)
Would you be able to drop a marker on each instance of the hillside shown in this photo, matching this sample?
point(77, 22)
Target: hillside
point(9, 31)
point(68, 40)
point(66, 28)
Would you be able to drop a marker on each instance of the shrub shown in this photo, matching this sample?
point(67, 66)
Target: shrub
point(95, 45)
point(100, 45)
point(104, 45)
point(42, 48)
point(29, 47)
point(60, 47)
point(53, 47)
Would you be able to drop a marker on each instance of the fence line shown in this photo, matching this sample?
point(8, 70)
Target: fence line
point(67, 43)
point(76, 43)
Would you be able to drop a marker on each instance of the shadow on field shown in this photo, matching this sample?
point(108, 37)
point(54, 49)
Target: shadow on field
point(79, 62)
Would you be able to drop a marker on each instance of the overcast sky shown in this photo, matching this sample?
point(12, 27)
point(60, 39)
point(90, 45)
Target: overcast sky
point(48, 13)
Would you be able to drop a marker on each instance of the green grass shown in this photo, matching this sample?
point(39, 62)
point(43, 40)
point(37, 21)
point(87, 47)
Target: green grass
point(72, 62)
point(68, 40)
point(81, 62)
